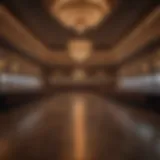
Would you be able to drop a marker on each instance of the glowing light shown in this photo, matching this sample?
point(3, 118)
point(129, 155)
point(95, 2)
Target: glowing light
point(80, 15)
point(79, 128)
point(80, 50)
point(79, 75)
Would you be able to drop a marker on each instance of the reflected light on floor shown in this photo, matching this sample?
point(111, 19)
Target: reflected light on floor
point(79, 128)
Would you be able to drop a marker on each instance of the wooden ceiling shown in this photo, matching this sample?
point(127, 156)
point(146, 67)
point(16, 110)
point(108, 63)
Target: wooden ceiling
point(28, 29)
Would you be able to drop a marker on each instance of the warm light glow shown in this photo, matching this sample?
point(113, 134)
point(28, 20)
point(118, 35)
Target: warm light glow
point(79, 128)
point(15, 67)
point(79, 15)
point(80, 50)
point(2, 65)
point(79, 75)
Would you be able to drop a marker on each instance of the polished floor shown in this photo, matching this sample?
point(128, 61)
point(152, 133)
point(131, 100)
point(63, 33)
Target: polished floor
point(79, 127)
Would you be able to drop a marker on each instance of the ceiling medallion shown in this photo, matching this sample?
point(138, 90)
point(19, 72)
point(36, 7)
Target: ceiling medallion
point(79, 15)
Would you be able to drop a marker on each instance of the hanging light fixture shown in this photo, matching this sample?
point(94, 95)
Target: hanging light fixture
point(79, 15)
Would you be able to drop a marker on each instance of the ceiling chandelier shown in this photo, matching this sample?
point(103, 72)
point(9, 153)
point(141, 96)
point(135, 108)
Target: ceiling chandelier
point(79, 15)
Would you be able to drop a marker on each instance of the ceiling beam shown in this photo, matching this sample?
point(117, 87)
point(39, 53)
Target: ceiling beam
point(23, 39)
point(145, 32)
point(10, 49)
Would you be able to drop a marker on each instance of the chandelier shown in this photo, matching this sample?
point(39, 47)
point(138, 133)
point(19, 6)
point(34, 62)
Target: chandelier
point(79, 15)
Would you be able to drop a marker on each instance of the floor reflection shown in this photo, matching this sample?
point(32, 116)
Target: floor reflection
point(78, 127)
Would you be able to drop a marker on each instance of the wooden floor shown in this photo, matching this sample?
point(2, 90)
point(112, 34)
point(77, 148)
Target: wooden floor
point(78, 127)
